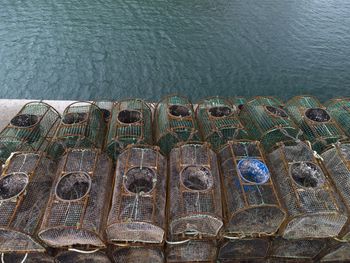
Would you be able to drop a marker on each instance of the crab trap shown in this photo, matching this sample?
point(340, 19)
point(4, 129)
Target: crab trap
point(26, 258)
point(137, 214)
point(218, 121)
point(251, 203)
point(339, 253)
point(79, 201)
point(339, 109)
point(24, 192)
point(314, 209)
point(315, 122)
point(76, 257)
point(265, 120)
point(131, 123)
point(138, 254)
point(174, 122)
point(82, 126)
point(30, 130)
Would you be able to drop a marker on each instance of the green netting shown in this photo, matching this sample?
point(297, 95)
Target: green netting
point(82, 126)
point(106, 107)
point(131, 123)
point(339, 109)
point(315, 121)
point(238, 101)
point(30, 130)
point(219, 122)
point(175, 122)
point(265, 120)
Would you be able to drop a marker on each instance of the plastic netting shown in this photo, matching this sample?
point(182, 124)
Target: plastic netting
point(251, 202)
point(106, 108)
point(30, 130)
point(194, 192)
point(77, 210)
point(238, 102)
point(138, 255)
point(82, 126)
point(174, 122)
point(218, 121)
point(75, 257)
point(340, 253)
point(138, 204)
point(314, 209)
point(265, 119)
point(26, 258)
point(131, 123)
point(316, 123)
point(339, 109)
point(24, 191)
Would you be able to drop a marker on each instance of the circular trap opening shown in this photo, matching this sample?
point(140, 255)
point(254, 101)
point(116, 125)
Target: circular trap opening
point(74, 117)
point(253, 171)
point(197, 178)
point(12, 185)
point(221, 111)
point(24, 120)
point(73, 186)
point(307, 174)
point(276, 111)
point(318, 115)
point(179, 111)
point(139, 180)
point(129, 116)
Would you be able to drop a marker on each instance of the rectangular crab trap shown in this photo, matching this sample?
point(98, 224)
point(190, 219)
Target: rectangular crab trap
point(137, 214)
point(314, 209)
point(131, 123)
point(82, 126)
point(175, 122)
point(265, 120)
point(315, 122)
point(79, 201)
point(30, 130)
point(251, 203)
point(138, 254)
point(218, 121)
point(24, 192)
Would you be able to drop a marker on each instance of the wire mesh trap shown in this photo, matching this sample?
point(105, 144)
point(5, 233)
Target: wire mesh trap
point(131, 123)
point(243, 249)
point(339, 109)
point(24, 191)
point(313, 208)
point(315, 122)
point(175, 122)
point(194, 208)
point(30, 130)
point(265, 119)
point(78, 206)
point(76, 257)
point(138, 254)
point(82, 126)
point(252, 206)
point(340, 253)
point(26, 258)
point(218, 121)
point(138, 204)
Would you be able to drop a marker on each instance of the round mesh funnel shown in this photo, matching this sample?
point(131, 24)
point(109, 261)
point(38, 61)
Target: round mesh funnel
point(194, 189)
point(218, 121)
point(76, 213)
point(26, 258)
point(315, 121)
point(251, 202)
point(30, 130)
point(174, 122)
point(265, 119)
point(24, 192)
point(313, 208)
point(138, 254)
point(82, 126)
point(339, 109)
point(131, 123)
point(75, 257)
point(137, 214)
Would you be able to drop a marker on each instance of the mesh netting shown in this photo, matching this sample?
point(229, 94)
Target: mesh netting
point(314, 209)
point(138, 205)
point(138, 255)
point(131, 123)
point(252, 205)
point(318, 127)
point(82, 126)
point(238, 102)
point(265, 120)
point(24, 191)
point(339, 109)
point(30, 130)
point(175, 122)
point(339, 254)
point(77, 211)
point(106, 108)
point(74, 257)
point(218, 121)
point(26, 258)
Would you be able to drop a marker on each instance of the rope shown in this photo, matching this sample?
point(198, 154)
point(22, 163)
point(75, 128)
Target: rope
point(83, 251)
